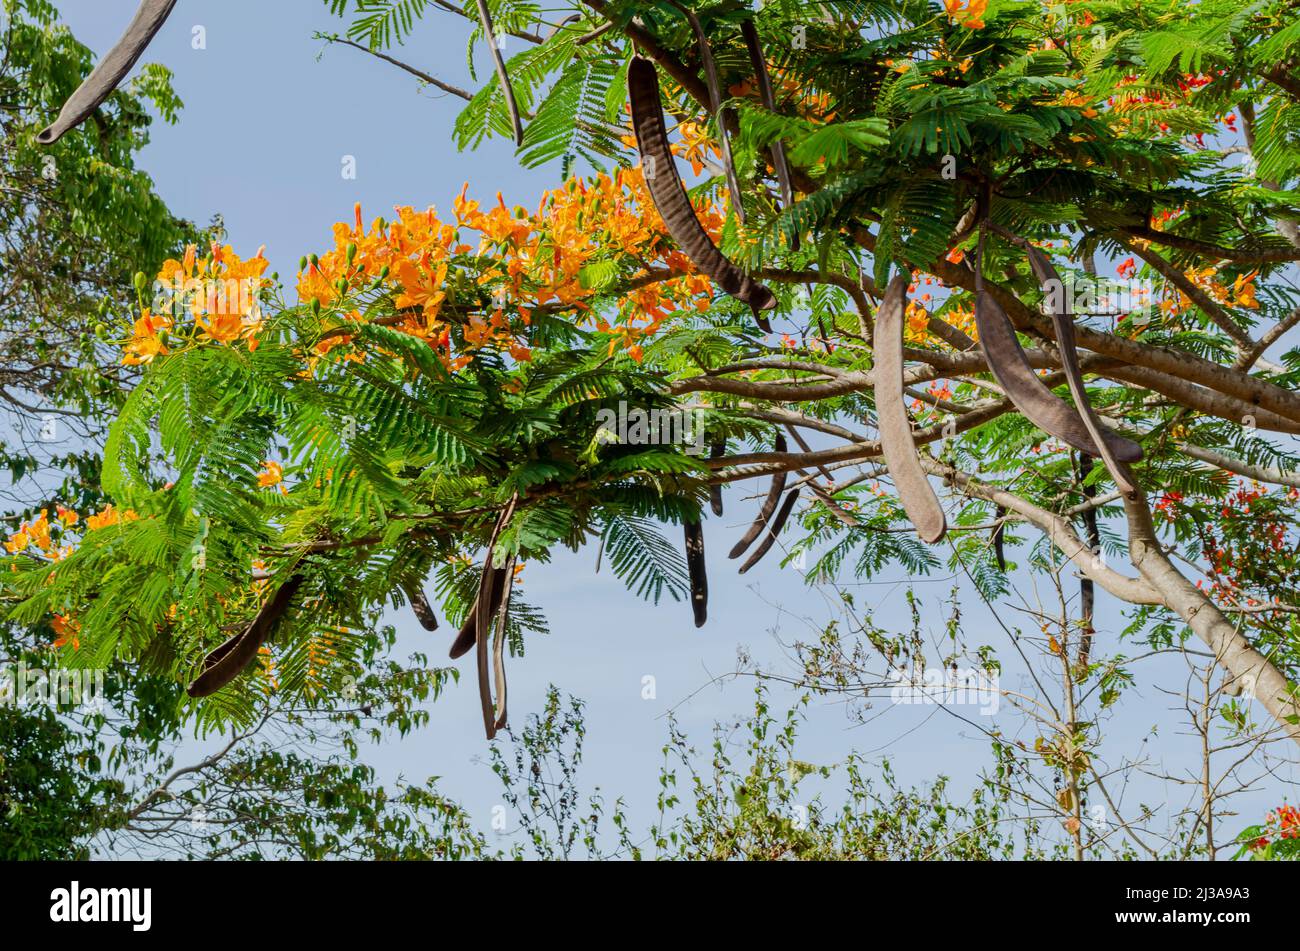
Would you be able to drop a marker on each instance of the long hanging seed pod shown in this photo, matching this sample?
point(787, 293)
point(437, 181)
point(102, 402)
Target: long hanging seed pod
point(779, 162)
point(768, 507)
point(229, 660)
point(1063, 324)
point(489, 32)
point(421, 608)
point(112, 69)
point(469, 629)
point(669, 194)
point(715, 106)
point(699, 575)
point(499, 647)
point(717, 450)
point(493, 593)
point(999, 536)
point(1010, 366)
point(914, 489)
point(778, 523)
point(1087, 589)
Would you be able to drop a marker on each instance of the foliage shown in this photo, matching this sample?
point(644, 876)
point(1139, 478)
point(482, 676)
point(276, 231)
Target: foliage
point(263, 801)
point(76, 222)
point(430, 371)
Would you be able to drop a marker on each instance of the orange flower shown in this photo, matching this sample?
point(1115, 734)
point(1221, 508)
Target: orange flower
point(146, 342)
point(18, 541)
point(695, 145)
point(422, 287)
point(273, 474)
point(109, 516)
point(39, 532)
point(66, 630)
point(1243, 290)
point(224, 328)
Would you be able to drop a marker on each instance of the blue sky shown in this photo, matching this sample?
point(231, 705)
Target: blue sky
point(270, 116)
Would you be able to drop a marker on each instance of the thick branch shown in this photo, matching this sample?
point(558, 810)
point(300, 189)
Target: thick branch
point(1232, 650)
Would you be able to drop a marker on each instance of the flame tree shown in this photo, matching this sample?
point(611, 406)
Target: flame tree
point(423, 401)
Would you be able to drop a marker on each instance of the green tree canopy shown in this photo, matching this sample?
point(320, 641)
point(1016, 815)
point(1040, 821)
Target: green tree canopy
point(435, 385)
point(76, 223)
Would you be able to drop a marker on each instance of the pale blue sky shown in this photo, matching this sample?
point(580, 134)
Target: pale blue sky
point(269, 115)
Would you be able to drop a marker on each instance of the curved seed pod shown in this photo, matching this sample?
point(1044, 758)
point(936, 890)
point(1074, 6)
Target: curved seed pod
point(716, 451)
point(779, 162)
point(914, 489)
point(112, 69)
point(1063, 324)
point(499, 646)
point(492, 589)
point(1040, 405)
point(778, 523)
point(669, 194)
point(421, 608)
point(699, 576)
point(1087, 589)
point(469, 629)
point(999, 534)
point(768, 507)
point(715, 106)
point(485, 18)
point(229, 660)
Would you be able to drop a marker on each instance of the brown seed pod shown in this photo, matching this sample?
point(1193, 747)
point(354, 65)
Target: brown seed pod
point(669, 194)
point(914, 489)
point(1087, 589)
point(779, 161)
point(493, 594)
point(778, 523)
point(768, 507)
point(1010, 366)
point(499, 646)
point(229, 660)
point(715, 107)
point(489, 33)
point(421, 608)
point(717, 450)
point(699, 575)
point(112, 69)
point(1063, 324)
point(999, 534)
point(469, 629)
point(1039, 405)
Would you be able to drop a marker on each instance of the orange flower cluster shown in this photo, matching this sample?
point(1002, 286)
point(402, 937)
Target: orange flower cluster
point(535, 260)
point(67, 630)
point(969, 13)
point(916, 329)
point(1075, 99)
point(271, 475)
point(1241, 294)
point(36, 534)
point(221, 295)
point(559, 257)
point(53, 542)
point(44, 538)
